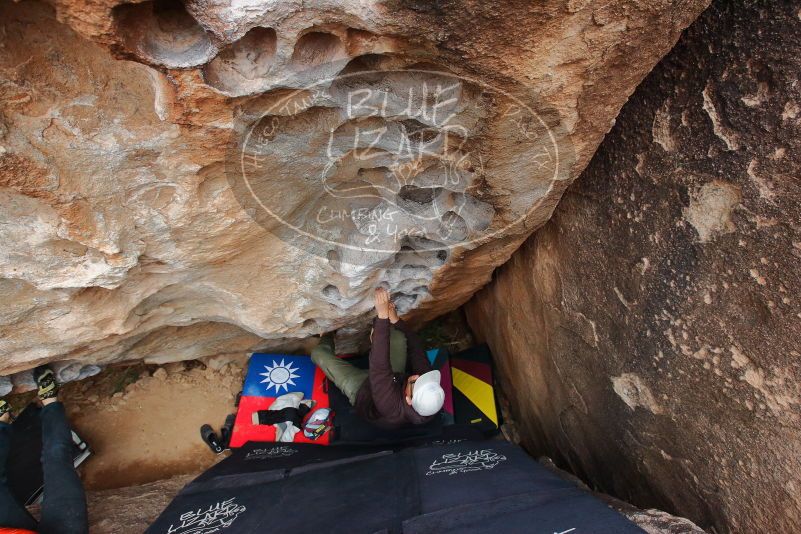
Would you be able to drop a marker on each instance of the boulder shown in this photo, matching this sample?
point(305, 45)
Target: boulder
point(648, 335)
point(185, 179)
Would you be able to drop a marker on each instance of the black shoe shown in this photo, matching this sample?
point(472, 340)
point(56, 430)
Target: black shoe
point(46, 382)
point(210, 438)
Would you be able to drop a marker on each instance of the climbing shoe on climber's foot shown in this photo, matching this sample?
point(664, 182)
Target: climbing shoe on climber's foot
point(4, 407)
point(46, 382)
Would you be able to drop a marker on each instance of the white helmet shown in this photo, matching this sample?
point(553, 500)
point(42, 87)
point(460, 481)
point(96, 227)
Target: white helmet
point(427, 395)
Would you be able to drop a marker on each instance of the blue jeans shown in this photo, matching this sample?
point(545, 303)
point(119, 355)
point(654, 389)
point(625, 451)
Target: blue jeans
point(64, 502)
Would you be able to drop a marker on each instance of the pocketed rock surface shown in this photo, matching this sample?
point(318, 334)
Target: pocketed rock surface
point(125, 236)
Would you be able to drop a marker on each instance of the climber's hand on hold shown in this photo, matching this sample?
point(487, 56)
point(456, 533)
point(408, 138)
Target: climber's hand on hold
point(393, 313)
point(382, 303)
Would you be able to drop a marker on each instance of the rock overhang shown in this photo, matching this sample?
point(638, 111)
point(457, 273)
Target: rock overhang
point(129, 239)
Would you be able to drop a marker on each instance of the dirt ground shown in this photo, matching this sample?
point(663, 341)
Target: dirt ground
point(143, 422)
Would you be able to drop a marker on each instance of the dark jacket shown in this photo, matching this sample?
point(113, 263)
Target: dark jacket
point(381, 399)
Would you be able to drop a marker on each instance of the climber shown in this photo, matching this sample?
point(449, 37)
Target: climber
point(64, 503)
point(385, 394)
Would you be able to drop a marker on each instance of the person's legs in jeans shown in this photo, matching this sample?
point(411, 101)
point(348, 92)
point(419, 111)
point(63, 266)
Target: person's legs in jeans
point(344, 375)
point(12, 513)
point(64, 500)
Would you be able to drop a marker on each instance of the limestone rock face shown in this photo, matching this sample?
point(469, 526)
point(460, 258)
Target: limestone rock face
point(649, 335)
point(402, 142)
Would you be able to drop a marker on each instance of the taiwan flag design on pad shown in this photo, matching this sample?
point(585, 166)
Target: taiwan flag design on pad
point(270, 376)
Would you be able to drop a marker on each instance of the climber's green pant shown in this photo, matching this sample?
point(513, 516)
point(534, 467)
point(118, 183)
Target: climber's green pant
point(349, 378)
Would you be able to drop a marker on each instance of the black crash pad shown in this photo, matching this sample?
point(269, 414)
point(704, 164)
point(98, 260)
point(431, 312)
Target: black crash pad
point(458, 486)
